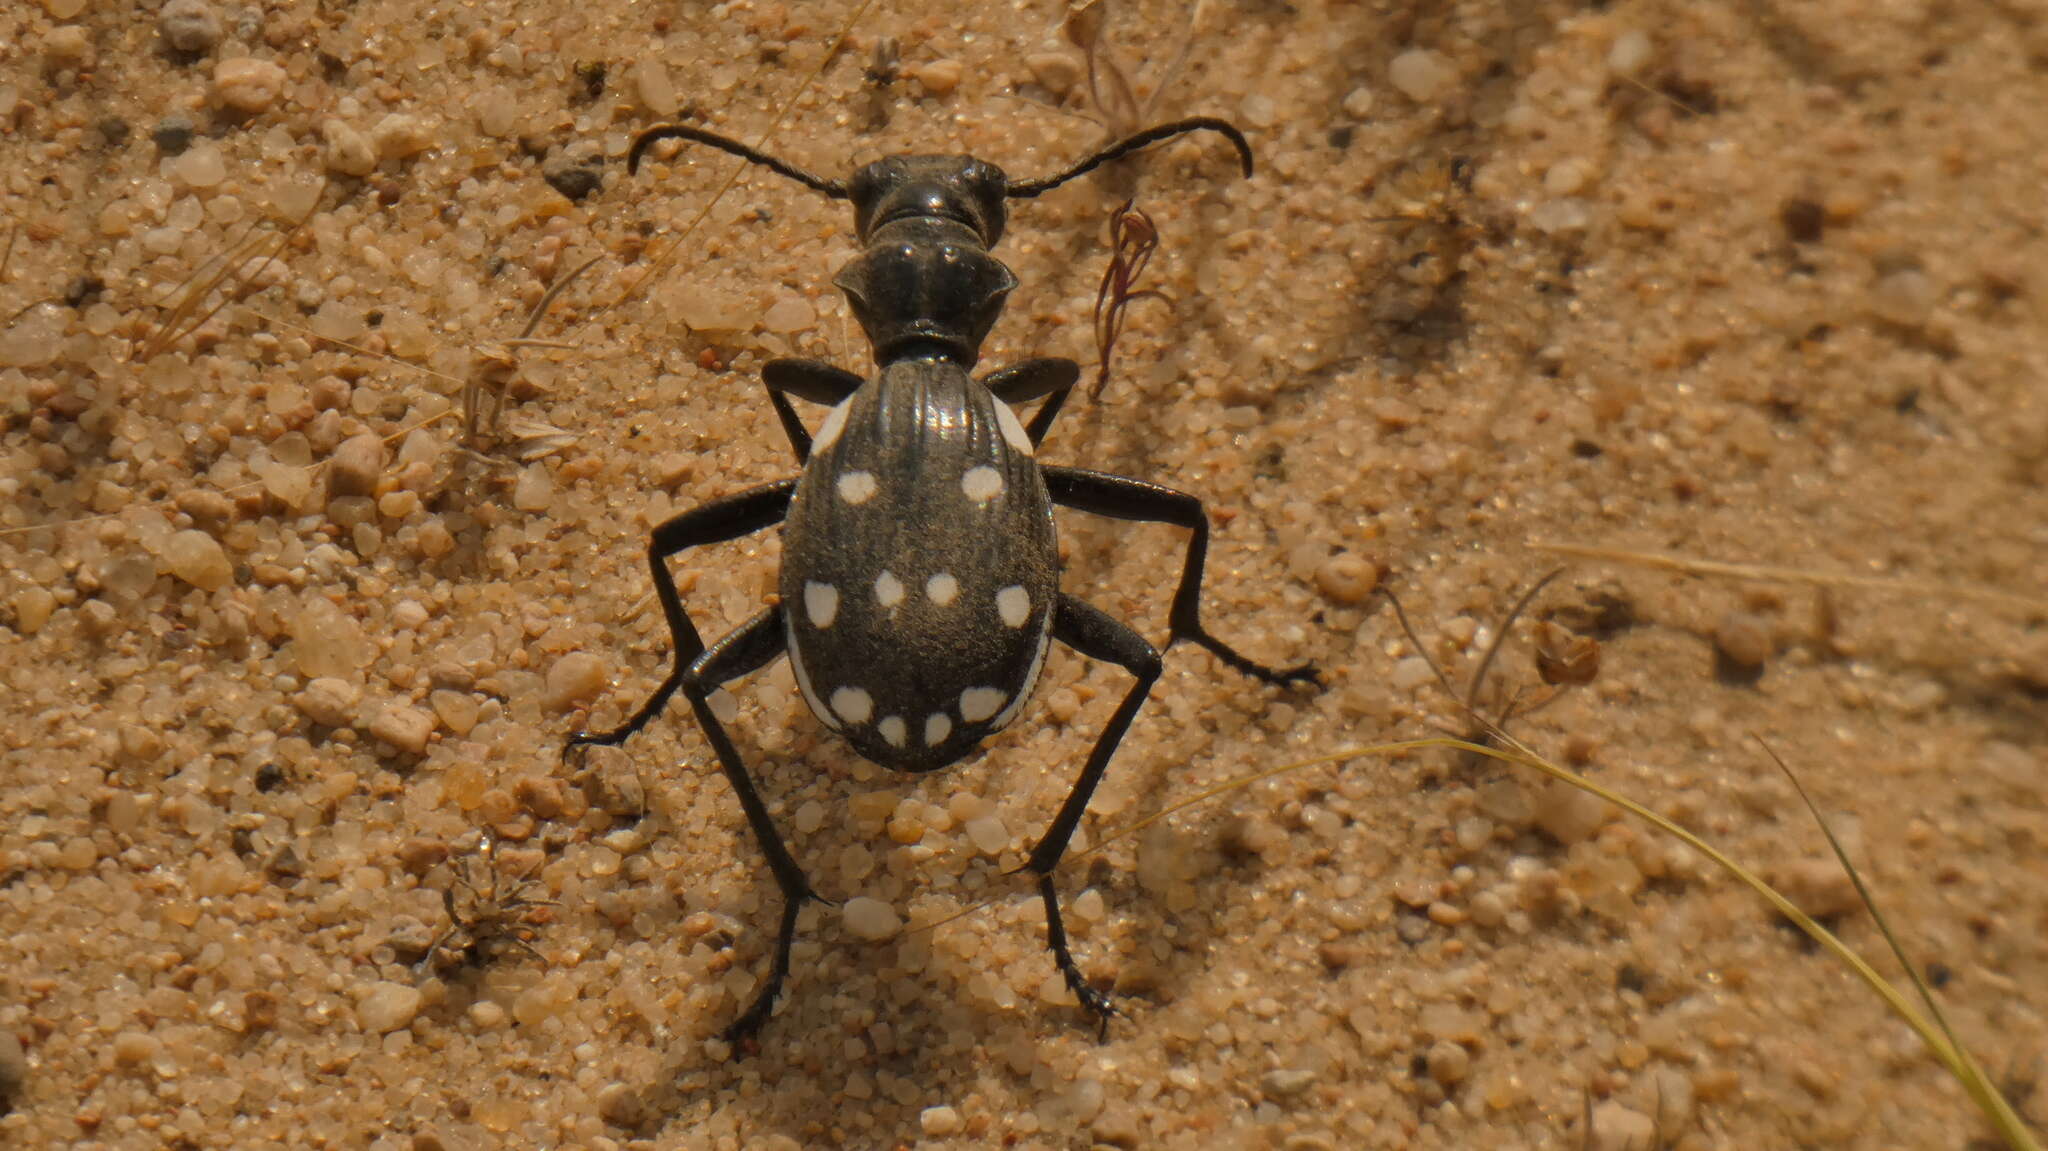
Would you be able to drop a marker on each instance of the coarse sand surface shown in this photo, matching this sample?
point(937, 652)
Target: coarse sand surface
point(288, 667)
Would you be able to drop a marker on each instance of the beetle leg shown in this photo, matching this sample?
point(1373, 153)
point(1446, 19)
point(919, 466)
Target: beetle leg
point(751, 647)
point(729, 518)
point(1087, 630)
point(1120, 497)
point(813, 380)
point(1023, 382)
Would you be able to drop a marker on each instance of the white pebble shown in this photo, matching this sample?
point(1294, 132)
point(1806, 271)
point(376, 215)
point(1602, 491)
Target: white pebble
point(348, 151)
point(1420, 74)
point(1630, 51)
point(939, 1121)
point(398, 136)
point(197, 558)
point(388, 1007)
point(246, 84)
point(988, 835)
point(871, 919)
point(1412, 673)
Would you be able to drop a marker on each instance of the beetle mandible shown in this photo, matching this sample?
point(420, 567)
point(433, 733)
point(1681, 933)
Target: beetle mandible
point(920, 572)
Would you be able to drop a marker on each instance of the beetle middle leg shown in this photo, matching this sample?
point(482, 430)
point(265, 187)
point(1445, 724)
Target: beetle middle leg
point(1121, 497)
point(751, 647)
point(1094, 634)
point(736, 515)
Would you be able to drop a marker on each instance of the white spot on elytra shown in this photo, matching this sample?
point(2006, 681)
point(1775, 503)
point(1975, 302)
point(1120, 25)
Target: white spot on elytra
point(852, 704)
point(1014, 604)
point(941, 589)
point(978, 703)
point(888, 590)
point(1012, 430)
point(937, 728)
point(893, 730)
point(982, 484)
point(835, 422)
point(857, 487)
point(821, 603)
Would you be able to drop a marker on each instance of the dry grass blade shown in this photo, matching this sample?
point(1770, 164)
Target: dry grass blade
point(1768, 574)
point(202, 285)
point(1132, 240)
point(1974, 1080)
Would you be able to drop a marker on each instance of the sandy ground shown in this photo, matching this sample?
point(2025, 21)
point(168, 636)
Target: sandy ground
point(1754, 282)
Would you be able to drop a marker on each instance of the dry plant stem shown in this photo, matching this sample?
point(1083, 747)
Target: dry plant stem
point(1767, 574)
point(494, 372)
point(1132, 240)
point(174, 327)
point(1469, 702)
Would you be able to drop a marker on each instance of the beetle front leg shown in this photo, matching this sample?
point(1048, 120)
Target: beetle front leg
point(753, 646)
point(736, 515)
point(1123, 498)
point(813, 380)
point(1097, 636)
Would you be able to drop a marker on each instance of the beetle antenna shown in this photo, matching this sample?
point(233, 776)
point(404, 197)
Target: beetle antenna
point(1132, 143)
point(833, 188)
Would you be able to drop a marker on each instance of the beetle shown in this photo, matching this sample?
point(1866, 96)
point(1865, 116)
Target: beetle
point(919, 588)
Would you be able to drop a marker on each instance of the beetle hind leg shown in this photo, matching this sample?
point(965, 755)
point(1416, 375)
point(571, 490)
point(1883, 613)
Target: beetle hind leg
point(1097, 636)
point(751, 647)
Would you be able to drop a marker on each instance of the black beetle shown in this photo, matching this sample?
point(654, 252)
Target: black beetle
point(920, 573)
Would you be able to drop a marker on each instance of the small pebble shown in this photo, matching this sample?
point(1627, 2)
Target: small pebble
point(349, 152)
point(197, 558)
point(620, 1105)
point(534, 490)
point(32, 609)
point(1056, 72)
point(1743, 639)
point(173, 134)
point(399, 136)
point(189, 26)
point(354, 468)
point(1421, 75)
point(1618, 1128)
point(329, 701)
point(1287, 1082)
point(1411, 673)
point(1568, 814)
point(388, 1007)
point(939, 1122)
point(987, 834)
point(871, 919)
point(247, 85)
point(574, 678)
point(1629, 52)
point(940, 76)
point(654, 90)
point(420, 854)
point(132, 1048)
point(1347, 579)
point(1905, 297)
point(66, 45)
point(404, 728)
point(1818, 886)
point(1358, 105)
point(1448, 1062)
point(574, 181)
